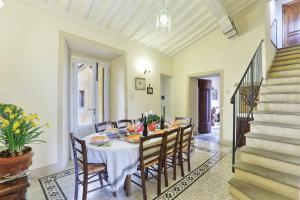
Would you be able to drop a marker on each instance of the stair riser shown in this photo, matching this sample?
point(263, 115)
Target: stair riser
point(281, 53)
point(291, 80)
point(283, 119)
point(278, 107)
point(286, 67)
point(267, 184)
point(280, 88)
point(286, 62)
point(237, 194)
point(273, 146)
point(280, 97)
point(284, 74)
point(276, 131)
point(270, 163)
point(293, 56)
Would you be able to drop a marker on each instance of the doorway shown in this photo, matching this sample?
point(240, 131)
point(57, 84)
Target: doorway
point(205, 103)
point(87, 95)
point(165, 84)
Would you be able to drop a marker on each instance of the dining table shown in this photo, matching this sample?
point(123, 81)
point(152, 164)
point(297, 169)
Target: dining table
point(120, 157)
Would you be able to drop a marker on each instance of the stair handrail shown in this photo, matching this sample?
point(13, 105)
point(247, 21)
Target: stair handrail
point(246, 92)
point(274, 23)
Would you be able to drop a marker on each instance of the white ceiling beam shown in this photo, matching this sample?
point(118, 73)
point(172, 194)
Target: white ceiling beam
point(113, 11)
point(215, 8)
point(141, 18)
point(104, 10)
point(89, 7)
point(187, 36)
point(67, 5)
point(194, 40)
point(193, 29)
point(198, 18)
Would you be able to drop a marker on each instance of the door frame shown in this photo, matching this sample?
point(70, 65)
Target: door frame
point(198, 75)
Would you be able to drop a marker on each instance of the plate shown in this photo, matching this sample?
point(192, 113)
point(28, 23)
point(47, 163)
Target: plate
point(133, 138)
point(99, 139)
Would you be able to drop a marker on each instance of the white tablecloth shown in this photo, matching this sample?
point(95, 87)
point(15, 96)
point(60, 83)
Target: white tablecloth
point(121, 159)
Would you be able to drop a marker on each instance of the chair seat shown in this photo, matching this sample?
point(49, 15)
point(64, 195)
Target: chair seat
point(94, 168)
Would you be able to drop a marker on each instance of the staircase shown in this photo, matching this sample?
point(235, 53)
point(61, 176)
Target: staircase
point(268, 167)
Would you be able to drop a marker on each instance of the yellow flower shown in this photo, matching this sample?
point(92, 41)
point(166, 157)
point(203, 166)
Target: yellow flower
point(17, 131)
point(8, 110)
point(16, 125)
point(3, 122)
point(12, 116)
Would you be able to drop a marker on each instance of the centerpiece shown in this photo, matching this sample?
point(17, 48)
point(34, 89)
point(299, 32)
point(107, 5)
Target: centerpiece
point(17, 130)
point(152, 120)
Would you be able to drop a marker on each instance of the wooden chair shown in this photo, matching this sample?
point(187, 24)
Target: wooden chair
point(151, 156)
point(100, 127)
point(183, 120)
point(123, 123)
point(171, 139)
point(88, 170)
point(184, 147)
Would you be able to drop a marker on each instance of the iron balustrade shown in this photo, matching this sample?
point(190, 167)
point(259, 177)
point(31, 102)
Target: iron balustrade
point(244, 99)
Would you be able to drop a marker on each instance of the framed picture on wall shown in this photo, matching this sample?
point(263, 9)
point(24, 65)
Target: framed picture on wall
point(149, 90)
point(140, 84)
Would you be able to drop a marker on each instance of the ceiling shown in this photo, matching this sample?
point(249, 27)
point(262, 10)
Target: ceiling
point(134, 20)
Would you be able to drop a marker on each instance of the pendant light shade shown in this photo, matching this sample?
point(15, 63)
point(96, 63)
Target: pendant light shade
point(163, 20)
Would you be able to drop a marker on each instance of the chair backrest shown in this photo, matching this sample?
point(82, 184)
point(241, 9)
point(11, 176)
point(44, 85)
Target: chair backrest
point(123, 123)
point(171, 139)
point(79, 153)
point(151, 149)
point(186, 137)
point(183, 120)
point(100, 127)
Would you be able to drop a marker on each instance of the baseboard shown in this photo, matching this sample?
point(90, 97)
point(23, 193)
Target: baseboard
point(49, 169)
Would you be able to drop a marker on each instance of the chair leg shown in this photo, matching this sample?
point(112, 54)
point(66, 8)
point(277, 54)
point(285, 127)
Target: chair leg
point(174, 167)
point(166, 172)
point(181, 163)
point(85, 187)
point(143, 184)
point(76, 188)
point(100, 179)
point(189, 161)
point(127, 185)
point(147, 173)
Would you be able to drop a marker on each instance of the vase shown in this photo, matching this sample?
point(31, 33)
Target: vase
point(15, 166)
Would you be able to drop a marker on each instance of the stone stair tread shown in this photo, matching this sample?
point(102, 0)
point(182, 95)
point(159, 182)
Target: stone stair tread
point(286, 64)
point(272, 155)
point(284, 55)
point(294, 126)
point(280, 177)
point(279, 84)
point(276, 113)
point(254, 192)
point(272, 138)
point(268, 78)
point(294, 47)
point(283, 70)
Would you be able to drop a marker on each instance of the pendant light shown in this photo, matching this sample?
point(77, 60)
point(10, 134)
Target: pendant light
point(163, 19)
point(1, 3)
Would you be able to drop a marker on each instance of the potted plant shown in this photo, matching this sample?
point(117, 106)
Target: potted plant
point(152, 120)
point(17, 130)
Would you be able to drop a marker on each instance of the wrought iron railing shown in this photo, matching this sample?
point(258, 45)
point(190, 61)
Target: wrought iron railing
point(244, 99)
point(274, 33)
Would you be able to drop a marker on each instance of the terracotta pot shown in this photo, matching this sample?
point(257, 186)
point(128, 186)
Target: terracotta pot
point(15, 166)
point(151, 127)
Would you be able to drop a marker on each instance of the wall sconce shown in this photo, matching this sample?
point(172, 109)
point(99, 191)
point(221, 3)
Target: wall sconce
point(1, 4)
point(147, 71)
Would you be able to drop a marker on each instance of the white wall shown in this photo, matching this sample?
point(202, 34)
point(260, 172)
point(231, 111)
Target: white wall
point(117, 90)
point(29, 50)
point(216, 53)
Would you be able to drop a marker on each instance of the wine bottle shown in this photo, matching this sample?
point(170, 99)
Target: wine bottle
point(145, 131)
point(162, 123)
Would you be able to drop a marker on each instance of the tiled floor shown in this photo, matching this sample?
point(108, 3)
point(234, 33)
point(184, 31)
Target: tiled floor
point(212, 185)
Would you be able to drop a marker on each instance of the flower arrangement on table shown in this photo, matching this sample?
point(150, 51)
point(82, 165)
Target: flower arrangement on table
point(152, 119)
point(17, 129)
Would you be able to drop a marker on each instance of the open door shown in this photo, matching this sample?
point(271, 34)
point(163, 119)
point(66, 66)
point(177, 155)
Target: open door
point(204, 104)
